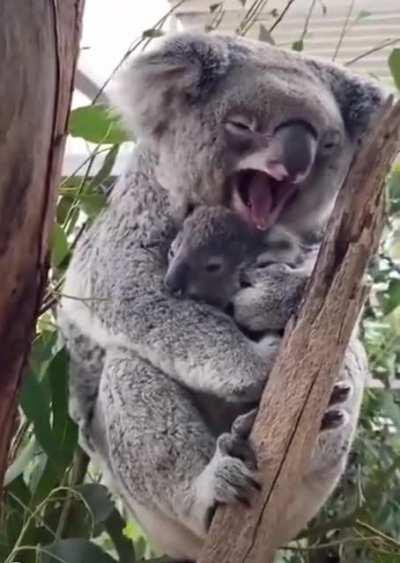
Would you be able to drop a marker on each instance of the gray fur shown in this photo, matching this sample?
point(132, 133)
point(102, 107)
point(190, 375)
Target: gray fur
point(208, 254)
point(215, 253)
point(172, 375)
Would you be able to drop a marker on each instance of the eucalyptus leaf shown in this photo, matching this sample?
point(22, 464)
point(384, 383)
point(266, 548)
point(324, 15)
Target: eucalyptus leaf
point(59, 246)
point(107, 167)
point(394, 65)
point(96, 124)
point(64, 430)
point(92, 201)
point(362, 14)
point(152, 33)
point(36, 407)
point(115, 526)
point(265, 35)
point(394, 189)
point(298, 45)
point(98, 500)
point(74, 550)
point(392, 296)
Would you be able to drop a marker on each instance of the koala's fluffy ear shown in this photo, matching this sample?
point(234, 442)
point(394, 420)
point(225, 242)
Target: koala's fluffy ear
point(159, 83)
point(358, 97)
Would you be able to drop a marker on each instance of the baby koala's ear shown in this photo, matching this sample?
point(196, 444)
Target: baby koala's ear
point(157, 84)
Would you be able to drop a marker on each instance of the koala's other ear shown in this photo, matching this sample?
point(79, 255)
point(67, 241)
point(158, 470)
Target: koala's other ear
point(159, 83)
point(359, 98)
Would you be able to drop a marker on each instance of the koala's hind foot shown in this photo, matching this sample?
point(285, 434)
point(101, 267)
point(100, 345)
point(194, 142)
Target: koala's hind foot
point(335, 417)
point(225, 480)
point(231, 476)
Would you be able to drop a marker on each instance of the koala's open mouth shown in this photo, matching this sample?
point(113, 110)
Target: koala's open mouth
point(258, 197)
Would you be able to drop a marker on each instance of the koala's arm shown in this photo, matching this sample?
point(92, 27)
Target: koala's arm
point(118, 270)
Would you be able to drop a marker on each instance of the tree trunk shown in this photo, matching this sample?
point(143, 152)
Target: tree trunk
point(39, 42)
point(312, 352)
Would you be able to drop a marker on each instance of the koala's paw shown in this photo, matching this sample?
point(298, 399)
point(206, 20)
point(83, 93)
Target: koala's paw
point(235, 478)
point(243, 424)
point(342, 391)
point(230, 476)
point(336, 417)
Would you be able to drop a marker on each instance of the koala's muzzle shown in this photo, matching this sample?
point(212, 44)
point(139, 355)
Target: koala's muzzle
point(177, 277)
point(272, 170)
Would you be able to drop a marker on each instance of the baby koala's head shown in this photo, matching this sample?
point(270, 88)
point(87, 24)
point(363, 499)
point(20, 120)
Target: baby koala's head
point(207, 255)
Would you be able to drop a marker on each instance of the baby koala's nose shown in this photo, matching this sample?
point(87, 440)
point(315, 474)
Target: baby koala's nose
point(176, 279)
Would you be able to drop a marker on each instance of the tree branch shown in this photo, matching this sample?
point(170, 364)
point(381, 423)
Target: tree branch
point(38, 50)
point(312, 352)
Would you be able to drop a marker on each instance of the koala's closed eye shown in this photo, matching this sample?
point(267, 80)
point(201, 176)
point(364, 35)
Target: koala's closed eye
point(214, 266)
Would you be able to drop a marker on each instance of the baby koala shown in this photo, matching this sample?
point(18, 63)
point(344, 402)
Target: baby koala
point(209, 255)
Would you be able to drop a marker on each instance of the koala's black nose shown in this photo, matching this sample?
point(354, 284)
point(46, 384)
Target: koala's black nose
point(176, 279)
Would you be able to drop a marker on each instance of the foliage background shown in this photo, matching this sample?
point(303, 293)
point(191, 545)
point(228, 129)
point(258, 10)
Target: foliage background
point(55, 505)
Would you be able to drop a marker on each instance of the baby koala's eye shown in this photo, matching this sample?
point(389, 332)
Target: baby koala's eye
point(171, 253)
point(213, 267)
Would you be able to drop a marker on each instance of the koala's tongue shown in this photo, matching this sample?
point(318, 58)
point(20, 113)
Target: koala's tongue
point(260, 200)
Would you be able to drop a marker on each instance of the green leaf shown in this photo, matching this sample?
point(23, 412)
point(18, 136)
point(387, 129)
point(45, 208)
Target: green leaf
point(64, 430)
point(74, 551)
point(59, 246)
point(213, 7)
point(298, 45)
point(392, 297)
point(152, 33)
point(98, 500)
point(362, 14)
point(63, 207)
point(92, 201)
point(45, 478)
point(323, 8)
point(17, 467)
point(96, 124)
point(42, 352)
point(394, 65)
point(394, 189)
point(264, 35)
point(35, 405)
point(107, 167)
point(114, 526)
point(390, 407)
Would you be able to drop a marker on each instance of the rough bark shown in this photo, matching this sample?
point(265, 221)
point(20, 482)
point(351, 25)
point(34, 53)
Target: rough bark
point(39, 42)
point(315, 340)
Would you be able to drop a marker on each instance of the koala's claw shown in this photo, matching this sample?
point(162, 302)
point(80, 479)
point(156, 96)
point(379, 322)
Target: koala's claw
point(243, 424)
point(341, 392)
point(334, 419)
point(238, 447)
point(234, 481)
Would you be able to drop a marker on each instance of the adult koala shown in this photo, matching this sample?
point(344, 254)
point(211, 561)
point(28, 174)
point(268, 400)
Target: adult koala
point(157, 381)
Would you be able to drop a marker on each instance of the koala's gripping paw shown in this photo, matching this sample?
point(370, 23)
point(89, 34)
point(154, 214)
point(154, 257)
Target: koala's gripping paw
point(230, 476)
point(336, 417)
point(234, 480)
point(342, 391)
point(243, 424)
